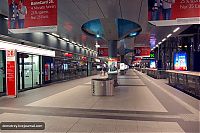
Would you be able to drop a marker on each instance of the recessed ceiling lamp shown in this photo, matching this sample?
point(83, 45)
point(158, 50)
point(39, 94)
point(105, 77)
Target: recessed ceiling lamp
point(175, 30)
point(60, 39)
point(169, 35)
point(73, 42)
point(98, 36)
point(163, 39)
point(54, 34)
point(66, 39)
point(133, 34)
point(97, 45)
point(79, 44)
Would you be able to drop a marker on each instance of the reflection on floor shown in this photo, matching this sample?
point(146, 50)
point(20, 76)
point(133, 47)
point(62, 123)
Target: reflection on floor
point(140, 104)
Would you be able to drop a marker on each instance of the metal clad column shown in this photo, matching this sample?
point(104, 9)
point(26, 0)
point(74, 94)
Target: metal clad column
point(112, 53)
point(112, 49)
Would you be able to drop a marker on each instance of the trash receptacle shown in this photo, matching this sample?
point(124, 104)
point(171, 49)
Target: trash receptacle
point(102, 87)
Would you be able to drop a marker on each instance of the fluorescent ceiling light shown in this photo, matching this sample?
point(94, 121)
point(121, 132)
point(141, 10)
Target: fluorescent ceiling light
point(169, 35)
point(73, 42)
point(6, 18)
point(97, 35)
point(48, 34)
point(133, 34)
point(54, 34)
point(159, 43)
point(97, 46)
point(66, 39)
point(163, 39)
point(26, 49)
point(175, 30)
point(60, 39)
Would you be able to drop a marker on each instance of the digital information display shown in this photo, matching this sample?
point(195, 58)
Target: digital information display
point(152, 64)
point(180, 61)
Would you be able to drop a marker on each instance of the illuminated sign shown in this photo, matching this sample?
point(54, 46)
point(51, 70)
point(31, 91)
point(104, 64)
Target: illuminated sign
point(152, 55)
point(152, 64)
point(180, 61)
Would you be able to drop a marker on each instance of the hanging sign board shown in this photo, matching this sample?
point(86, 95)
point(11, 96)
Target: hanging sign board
point(27, 16)
point(173, 12)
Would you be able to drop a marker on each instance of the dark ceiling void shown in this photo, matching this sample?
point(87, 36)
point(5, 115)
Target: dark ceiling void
point(111, 29)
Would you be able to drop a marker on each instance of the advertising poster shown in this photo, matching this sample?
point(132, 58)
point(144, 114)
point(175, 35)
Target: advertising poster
point(112, 65)
point(180, 61)
point(142, 51)
point(173, 12)
point(122, 66)
point(103, 52)
point(11, 73)
point(26, 16)
point(152, 64)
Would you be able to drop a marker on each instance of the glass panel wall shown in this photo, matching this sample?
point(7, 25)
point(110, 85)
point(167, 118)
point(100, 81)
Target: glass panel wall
point(36, 71)
point(28, 72)
point(21, 75)
point(2, 72)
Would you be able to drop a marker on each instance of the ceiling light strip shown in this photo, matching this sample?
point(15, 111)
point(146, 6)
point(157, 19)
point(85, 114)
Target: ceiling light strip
point(26, 49)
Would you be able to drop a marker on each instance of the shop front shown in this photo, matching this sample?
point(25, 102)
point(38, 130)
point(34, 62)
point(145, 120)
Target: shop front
point(23, 73)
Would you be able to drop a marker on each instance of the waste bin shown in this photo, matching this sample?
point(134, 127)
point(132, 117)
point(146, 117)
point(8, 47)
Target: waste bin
point(102, 87)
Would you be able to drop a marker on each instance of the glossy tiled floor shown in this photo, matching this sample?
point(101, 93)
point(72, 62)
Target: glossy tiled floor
point(140, 104)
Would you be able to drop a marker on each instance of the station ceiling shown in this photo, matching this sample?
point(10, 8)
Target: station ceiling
point(72, 14)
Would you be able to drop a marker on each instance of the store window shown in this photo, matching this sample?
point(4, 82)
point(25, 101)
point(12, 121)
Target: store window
point(36, 71)
point(29, 71)
point(2, 72)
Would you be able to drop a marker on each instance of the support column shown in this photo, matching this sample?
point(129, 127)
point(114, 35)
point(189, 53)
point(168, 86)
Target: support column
point(112, 53)
point(122, 72)
point(3, 25)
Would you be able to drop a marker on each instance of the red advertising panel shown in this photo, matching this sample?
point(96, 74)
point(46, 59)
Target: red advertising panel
point(176, 12)
point(32, 16)
point(142, 51)
point(137, 59)
point(11, 73)
point(103, 52)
